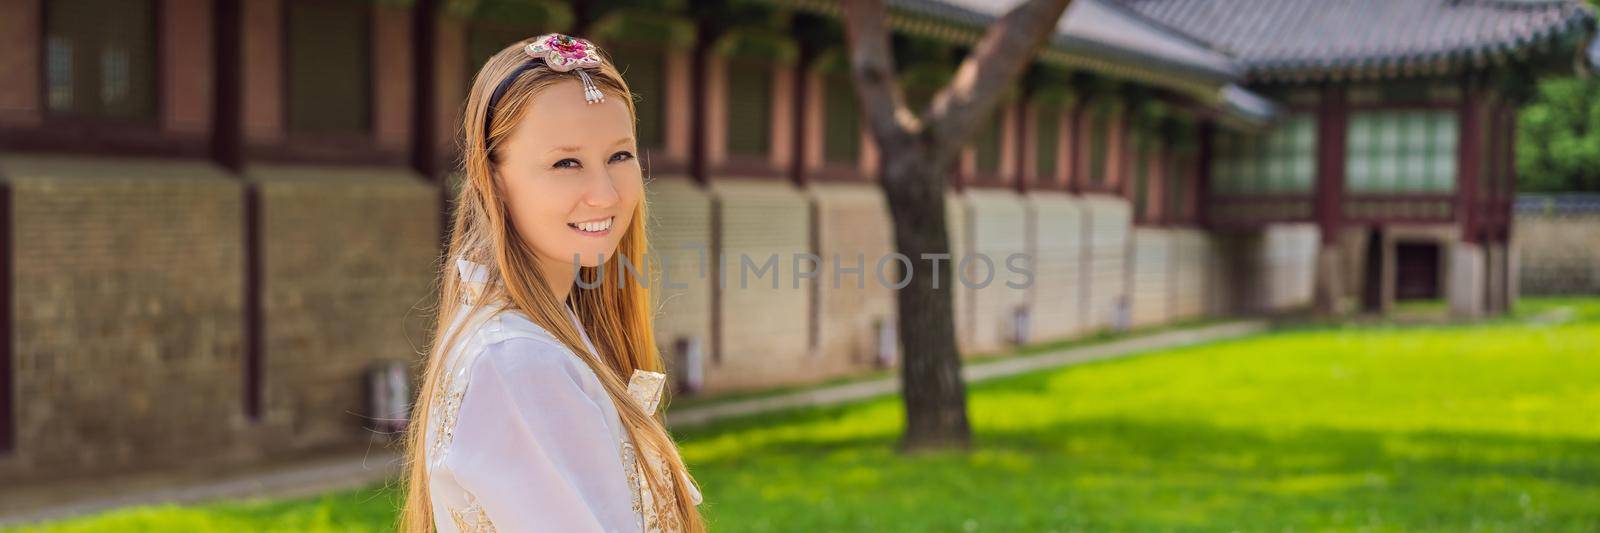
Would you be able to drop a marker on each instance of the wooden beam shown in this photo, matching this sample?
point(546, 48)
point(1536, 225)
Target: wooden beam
point(254, 305)
point(8, 410)
point(1468, 157)
point(227, 121)
point(424, 77)
point(1202, 185)
point(1332, 120)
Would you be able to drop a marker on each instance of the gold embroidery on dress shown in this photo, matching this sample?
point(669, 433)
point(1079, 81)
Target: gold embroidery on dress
point(473, 519)
point(446, 408)
point(635, 483)
point(645, 388)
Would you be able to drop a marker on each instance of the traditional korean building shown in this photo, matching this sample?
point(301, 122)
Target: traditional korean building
point(219, 217)
point(1397, 137)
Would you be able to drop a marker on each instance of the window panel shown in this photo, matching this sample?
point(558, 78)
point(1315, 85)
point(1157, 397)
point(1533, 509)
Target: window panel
point(100, 58)
point(1391, 151)
point(329, 66)
point(749, 101)
point(842, 121)
point(642, 67)
point(1280, 160)
point(1047, 135)
point(1099, 133)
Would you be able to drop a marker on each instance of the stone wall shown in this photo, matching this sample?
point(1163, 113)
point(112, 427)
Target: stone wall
point(128, 280)
point(132, 323)
point(130, 308)
point(1557, 243)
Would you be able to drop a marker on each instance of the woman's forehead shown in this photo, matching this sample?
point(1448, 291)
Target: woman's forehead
point(558, 115)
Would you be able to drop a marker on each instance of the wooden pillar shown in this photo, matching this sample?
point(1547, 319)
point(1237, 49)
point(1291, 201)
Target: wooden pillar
point(1332, 119)
point(1468, 162)
point(8, 410)
point(800, 98)
point(1077, 162)
point(1022, 167)
point(227, 131)
point(21, 35)
point(1155, 185)
point(1117, 153)
point(425, 79)
point(255, 346)
point(700, 66)
point(1202, 187)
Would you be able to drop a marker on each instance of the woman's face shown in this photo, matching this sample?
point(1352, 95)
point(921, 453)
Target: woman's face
point(571, 177)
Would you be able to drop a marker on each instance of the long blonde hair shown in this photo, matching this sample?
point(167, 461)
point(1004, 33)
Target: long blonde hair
point(616, 314)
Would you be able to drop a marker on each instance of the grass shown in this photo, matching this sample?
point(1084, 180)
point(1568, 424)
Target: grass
point(1486, 427)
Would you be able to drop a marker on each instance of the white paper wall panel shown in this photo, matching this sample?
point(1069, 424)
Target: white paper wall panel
point(1190, 273)
point(1109, 220)
point(998, 219)
point(764, 329)
point(853, 222)
point(680, 233)
point(1152, 268)
point(1058, 260)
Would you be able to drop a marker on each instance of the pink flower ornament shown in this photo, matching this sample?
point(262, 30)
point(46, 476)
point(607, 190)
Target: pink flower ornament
point(565, 53)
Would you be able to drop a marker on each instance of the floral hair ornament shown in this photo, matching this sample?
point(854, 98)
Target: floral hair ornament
point(560, 52)
point(565, 53)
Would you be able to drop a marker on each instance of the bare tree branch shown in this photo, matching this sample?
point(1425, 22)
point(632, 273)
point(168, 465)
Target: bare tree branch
point(872, 66)
point(1007, 47)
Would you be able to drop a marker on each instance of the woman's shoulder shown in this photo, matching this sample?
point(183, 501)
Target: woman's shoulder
point(512, 353)
point(510, 337)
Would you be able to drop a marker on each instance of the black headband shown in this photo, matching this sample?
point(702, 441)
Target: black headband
point(500, 90)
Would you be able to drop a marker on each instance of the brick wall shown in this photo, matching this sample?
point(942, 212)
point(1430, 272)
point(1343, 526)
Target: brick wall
point(130, 284)
point(128, 314)
point(348, 264)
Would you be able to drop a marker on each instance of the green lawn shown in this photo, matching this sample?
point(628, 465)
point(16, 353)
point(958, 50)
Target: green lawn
point(1493, 426)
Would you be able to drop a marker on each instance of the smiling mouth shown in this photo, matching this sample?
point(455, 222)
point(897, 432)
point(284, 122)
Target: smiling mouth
point(594, 228)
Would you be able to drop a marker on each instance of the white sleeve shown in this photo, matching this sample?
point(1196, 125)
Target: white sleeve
point(534, 448)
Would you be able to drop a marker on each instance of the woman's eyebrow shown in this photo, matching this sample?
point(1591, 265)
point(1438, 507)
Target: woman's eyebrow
point(571, 149)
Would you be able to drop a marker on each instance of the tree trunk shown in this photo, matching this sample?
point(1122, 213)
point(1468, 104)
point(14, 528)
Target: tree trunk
point(917, 152)
point(934, 393)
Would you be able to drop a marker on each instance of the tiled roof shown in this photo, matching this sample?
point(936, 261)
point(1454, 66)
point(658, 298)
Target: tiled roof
point(1099, 28)
point(1098, 36)
point(1317, 39)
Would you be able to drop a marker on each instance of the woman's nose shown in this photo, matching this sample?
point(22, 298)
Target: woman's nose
point(602, 192)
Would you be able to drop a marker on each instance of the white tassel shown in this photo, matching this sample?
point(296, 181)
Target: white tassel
point(591, 94)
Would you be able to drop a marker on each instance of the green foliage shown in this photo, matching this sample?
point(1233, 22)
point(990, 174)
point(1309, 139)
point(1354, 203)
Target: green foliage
point(1490, 427)
point(1558, 137)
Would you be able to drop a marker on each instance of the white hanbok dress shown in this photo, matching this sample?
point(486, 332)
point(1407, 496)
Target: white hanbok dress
point(523, 437)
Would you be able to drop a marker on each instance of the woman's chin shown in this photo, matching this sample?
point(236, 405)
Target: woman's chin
point(592, 259)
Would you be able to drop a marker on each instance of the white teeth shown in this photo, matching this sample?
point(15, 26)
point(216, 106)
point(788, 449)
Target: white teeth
point(594, 226)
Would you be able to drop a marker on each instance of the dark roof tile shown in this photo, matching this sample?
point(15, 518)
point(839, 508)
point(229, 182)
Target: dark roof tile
point(1311, 39)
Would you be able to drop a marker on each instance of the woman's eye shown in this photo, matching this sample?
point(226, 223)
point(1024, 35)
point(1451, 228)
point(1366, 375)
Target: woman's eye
point(567, 163)
point(621, 156)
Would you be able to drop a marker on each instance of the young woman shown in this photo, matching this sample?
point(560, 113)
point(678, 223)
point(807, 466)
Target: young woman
point(537, 406)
